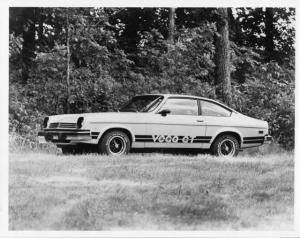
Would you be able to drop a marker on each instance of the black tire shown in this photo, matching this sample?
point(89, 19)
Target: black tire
point(68, 150)
point(72, 150)
point(226, 146)
point(115, 143)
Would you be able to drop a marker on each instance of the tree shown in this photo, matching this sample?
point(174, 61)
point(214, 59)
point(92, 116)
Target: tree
point(171, 29)
point(132, 22)
point(270, 33)
point(23, 21)
point(193, 17)
point(222, 57)
point(68, 61)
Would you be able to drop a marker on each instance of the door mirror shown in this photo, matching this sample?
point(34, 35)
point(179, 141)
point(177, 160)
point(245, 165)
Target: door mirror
point(164, 112)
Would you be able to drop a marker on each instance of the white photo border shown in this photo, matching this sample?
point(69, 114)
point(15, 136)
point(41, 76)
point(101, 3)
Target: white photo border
point(4, 44)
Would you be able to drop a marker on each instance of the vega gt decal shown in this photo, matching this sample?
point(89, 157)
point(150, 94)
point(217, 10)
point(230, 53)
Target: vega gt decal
point(172, 139)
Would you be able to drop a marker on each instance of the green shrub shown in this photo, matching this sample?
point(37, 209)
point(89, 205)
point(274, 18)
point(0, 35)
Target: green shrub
point(268, 94)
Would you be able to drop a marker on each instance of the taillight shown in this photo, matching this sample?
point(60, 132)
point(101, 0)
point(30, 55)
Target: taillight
point(45, 123)
point(79, 122)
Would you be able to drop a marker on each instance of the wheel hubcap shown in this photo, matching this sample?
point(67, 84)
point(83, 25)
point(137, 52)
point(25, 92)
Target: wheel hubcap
point(227, 148)
point(116, 145)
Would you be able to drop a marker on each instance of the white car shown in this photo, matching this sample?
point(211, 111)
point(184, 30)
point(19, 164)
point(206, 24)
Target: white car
point(158, 121)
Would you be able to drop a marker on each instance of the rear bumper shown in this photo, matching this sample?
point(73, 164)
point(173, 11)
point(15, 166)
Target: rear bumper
point(58, 136)
point(268, 139)
point(256, 141)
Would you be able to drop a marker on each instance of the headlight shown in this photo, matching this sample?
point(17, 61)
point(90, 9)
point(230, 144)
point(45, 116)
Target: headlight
point(45, 123)
point(79, 122)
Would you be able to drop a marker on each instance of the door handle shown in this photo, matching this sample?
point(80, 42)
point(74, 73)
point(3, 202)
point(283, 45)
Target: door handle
point(200, 121)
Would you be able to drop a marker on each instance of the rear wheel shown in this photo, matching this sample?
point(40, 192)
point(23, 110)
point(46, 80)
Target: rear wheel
point(226, 146)
point(115, 143)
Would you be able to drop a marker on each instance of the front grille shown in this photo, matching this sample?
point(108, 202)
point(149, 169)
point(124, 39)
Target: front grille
point(53, 125)
point(63, 125)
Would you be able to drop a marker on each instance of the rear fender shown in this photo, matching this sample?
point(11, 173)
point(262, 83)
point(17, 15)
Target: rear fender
point(227, 130)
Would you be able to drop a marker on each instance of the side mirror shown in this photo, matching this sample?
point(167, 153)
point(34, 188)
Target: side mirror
point(165, 112)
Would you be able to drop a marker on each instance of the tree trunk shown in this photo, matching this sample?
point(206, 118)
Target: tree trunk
point(222, 57)
point(68, 64)
point(28, 46)
point(171, 29)
point(40, 29)
point(269, 31)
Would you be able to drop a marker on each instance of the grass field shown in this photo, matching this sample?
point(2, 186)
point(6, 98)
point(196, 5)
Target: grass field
point(150, 192)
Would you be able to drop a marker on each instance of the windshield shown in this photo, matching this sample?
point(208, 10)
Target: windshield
point(145, 103)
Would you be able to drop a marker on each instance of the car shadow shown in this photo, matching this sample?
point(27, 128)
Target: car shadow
point(177, 151)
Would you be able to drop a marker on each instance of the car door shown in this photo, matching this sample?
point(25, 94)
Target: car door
point(183, 127)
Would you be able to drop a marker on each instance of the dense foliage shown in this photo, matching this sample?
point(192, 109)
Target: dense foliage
point(118, 53)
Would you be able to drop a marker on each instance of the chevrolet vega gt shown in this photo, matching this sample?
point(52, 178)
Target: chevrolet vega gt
point(158, 121)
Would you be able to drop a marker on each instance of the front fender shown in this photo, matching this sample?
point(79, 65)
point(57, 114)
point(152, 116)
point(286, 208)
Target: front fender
point(105, 128)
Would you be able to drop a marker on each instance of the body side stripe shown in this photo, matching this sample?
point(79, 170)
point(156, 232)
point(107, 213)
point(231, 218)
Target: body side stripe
point(197, 139)
point(180, 137)
point(254, 138)
point(179, 141)
point(253, 142)
point(95, 133)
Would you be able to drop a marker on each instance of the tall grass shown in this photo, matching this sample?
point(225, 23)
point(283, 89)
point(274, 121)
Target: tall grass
point(150, 191)
point(19, 143)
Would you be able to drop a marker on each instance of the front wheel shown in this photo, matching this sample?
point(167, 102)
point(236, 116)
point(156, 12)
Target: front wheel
point(115, 143)
point(226, 146)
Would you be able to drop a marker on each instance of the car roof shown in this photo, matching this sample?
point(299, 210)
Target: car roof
point(187, 96)
point(172, 95)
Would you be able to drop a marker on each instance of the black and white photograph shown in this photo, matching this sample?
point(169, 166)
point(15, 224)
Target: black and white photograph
point(162, 118)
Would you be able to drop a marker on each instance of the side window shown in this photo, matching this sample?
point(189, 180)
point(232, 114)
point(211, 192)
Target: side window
point(212, 109)
point(181, 106)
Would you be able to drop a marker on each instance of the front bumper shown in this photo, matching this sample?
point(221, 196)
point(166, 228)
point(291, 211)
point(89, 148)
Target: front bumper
point(59, 136)
point(268, 139)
